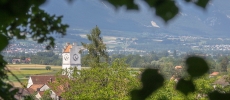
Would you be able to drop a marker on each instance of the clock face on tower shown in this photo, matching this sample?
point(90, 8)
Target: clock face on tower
point(66, 57)
point(75, 57)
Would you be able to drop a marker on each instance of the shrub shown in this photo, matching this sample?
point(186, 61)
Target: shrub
point(48, 68)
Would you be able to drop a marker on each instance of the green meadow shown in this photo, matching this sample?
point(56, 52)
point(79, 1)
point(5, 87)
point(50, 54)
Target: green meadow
point(23, 71)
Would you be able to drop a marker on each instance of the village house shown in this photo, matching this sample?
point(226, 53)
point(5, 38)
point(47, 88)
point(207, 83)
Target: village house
point(22, 92)
point(213, 74)
point(42, 83)
point(16, 61)
point(38, 84)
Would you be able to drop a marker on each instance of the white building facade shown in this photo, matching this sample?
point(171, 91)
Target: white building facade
point(71, 58)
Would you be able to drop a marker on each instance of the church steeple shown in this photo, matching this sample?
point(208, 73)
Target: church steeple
point(71, 57)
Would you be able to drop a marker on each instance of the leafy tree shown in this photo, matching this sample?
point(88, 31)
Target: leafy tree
point(103, 82)
point(174, 54)
point(224, 64)
point(19, 18)
point(46, 95)
point(46, 58)
point(96, 48)
point(48, 68)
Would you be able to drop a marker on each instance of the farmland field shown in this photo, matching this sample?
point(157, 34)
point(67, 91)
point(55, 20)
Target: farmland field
point(23, 71)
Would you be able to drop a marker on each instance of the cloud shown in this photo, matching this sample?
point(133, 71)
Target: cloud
point(154, 24)
point(228, 16)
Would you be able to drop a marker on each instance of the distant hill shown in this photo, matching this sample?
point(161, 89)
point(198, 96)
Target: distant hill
point(83, 15)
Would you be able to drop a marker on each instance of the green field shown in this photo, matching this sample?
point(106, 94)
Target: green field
point(23, 71)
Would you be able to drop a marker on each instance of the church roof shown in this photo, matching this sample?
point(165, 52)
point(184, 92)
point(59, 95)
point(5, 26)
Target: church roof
point(67, 48)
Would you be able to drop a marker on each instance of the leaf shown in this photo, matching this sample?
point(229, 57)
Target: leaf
point(188, 0)
point(215, 95)
point(166, 9)
point(151, 81)
point(196, 66)
point(185, 86)
point(202, 3)
point(4, 42)
point(128, 3)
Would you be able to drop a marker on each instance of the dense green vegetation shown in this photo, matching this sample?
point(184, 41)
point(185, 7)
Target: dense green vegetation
point(96, 49)
point(43, 58)
point(161, 60)
point(26, 16)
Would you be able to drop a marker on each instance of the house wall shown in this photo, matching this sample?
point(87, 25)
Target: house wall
point(53, 95)
point(38, 96)
point(44, 88)
point(30, 82)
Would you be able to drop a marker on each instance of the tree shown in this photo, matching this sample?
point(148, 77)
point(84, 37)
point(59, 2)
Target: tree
point(174, 54)
point(100, 83)
point(96, 48)
point(46, 95)
point(48, 68)
point(19, 18)
point(224, 64)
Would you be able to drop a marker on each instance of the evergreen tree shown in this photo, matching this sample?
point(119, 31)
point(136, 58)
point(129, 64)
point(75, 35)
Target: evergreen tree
point(96, 48)
point(224, 64)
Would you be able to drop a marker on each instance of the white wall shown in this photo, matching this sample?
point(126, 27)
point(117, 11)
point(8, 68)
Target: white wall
point(75, 50)
point(53, 95)
point(38, 96)
point(44, 88)
point(30, 82)
point(66, 62)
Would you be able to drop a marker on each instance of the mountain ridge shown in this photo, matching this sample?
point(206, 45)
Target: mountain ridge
point(214, 22)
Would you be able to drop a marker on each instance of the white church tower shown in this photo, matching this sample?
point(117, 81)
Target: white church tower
point(71, 57)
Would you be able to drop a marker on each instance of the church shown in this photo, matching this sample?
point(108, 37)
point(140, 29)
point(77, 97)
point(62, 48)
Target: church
point(71, 58)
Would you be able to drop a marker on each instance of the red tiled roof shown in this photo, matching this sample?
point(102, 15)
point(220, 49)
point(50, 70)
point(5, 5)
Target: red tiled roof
point(214, 73)
point(178, 67)
point(30, 90)
point(42, 79)
point(41, 93)
point(67, 49)
point(36, 86)
point(57, 89)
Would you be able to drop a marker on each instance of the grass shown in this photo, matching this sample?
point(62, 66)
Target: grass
point(23, 71)
point(38, 69)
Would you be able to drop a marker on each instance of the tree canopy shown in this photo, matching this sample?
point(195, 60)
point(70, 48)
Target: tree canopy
point(96, 48)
